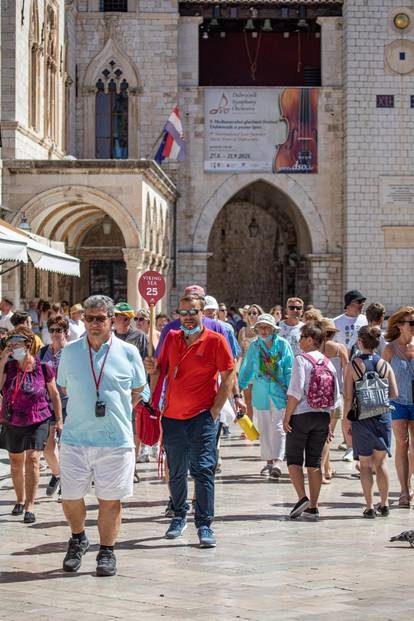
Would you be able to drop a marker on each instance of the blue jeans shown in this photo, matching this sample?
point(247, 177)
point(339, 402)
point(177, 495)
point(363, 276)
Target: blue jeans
point(191, 444)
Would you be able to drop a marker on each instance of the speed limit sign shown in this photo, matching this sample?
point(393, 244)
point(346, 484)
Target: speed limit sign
point(151, 286)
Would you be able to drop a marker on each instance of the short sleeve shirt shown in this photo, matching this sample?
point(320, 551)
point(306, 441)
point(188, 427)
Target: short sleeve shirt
point(299, 382)
point(292, 335)
point(192, 372)
point(26, 397)
point(348, 329)
point(123, 371)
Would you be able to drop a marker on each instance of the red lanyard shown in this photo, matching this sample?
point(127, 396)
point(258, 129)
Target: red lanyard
point(98, 381)
point(18, 385)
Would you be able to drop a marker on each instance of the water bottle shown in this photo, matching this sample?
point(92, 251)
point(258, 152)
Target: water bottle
point(247, 425)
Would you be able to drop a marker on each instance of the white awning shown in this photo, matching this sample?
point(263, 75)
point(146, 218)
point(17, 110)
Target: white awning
point(12, 250)
point(41, 253)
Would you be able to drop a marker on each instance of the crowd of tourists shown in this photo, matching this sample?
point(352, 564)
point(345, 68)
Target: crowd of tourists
point(77, 382)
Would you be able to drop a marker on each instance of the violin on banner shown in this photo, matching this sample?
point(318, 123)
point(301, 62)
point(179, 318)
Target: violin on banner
point(299, 153)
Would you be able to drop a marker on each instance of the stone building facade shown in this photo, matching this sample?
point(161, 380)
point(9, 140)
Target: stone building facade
point(246, 236)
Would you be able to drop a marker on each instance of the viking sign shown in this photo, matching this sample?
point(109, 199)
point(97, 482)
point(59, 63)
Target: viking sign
point(151, 286)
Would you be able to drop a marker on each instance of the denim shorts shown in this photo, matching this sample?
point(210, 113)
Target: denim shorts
point(371, 434)
point(402, 412)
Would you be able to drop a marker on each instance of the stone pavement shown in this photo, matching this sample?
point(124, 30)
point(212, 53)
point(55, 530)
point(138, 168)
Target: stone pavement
point(264, 568)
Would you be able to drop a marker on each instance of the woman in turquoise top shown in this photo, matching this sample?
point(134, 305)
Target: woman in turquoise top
point(400, 354)
point(268, 364)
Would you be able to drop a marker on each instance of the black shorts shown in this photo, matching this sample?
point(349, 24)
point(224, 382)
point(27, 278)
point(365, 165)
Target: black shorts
point(309, 434)
point(20, 439)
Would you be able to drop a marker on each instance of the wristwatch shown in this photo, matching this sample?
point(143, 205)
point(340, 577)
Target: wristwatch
point(237, 396)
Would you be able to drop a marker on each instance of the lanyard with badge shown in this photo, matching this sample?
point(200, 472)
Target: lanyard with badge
point(100, 406)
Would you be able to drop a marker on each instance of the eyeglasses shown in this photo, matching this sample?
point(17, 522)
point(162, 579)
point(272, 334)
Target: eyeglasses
point(409, 321)
point(139, 319)
point(56, 330)
point(97, 318)
point(253, 313)
point(192, 312)
point(298, 308)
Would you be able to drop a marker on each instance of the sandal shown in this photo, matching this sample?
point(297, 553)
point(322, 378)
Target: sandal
point(404, 501)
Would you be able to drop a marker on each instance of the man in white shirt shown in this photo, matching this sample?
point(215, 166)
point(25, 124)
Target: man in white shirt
point(6, 306)
point(352, 319)
point(291, 326)
point(76, 325)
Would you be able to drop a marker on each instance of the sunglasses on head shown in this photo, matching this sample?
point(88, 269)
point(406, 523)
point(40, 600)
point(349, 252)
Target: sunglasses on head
point(294, 307)
point(189, 313)
point(409, 321)
point(97, 318)
point(56, 330)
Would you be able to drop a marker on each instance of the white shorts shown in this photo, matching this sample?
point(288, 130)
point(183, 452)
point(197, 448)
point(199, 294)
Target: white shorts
point(111, 470)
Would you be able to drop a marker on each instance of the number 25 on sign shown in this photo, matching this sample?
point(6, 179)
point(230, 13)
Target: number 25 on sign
point(151, 286)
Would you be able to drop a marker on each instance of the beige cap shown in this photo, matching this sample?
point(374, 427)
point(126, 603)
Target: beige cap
point(76, 308)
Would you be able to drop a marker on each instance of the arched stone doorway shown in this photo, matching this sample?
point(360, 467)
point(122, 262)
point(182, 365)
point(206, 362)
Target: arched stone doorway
point(258, 244)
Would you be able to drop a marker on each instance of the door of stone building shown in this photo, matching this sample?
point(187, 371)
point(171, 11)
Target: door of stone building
point(255, 250)
point(108, 278)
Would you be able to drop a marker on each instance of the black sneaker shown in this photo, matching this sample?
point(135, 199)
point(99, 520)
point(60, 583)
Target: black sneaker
point(169, 511)
point(73, 558)
point(106, 563)
point(369, 514)
point(311, 513)
point(18, 509)
point(299, 508)
point(382, 511)
point(53, 485)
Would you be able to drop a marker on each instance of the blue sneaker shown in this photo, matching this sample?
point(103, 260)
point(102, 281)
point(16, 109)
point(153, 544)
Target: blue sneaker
point(176, 528)
point(206, 537)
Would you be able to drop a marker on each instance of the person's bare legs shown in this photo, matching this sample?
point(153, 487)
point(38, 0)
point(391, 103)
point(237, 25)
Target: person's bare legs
point(109, 521)
point(247, 393)
point(367, 480)
point(75, 513)
point(382, 476)
point(410, 453)
point(31, 479)
point(17, 465)
point(315, 482)
point(51, 453)
point(298, 480)
point(346, 426)
point(400, 429)
point(326, 464)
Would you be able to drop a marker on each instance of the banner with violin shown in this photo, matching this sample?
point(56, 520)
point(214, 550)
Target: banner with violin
point(261, 129)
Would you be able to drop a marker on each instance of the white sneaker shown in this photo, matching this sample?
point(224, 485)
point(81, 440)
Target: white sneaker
point(349, 455)
point(143, 458)
point(155, 451)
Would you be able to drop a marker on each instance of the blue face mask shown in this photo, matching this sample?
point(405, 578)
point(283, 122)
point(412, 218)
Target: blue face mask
point(266, 340)
point(188, 332)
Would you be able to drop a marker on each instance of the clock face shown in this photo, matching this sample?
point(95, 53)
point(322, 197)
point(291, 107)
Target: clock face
point(401, 21)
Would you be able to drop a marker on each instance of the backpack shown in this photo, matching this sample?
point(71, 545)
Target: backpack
point(321, 389)
point(148, 426)
point(371, 390)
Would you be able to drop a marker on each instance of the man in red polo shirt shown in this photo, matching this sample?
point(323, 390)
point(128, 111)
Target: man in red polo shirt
point(194, 356)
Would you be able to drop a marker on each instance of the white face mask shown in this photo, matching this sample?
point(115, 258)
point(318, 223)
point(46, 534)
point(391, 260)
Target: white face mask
point(19, 353)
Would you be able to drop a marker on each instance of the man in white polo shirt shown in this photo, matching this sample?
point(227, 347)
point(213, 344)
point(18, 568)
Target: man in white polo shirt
point(103, 377)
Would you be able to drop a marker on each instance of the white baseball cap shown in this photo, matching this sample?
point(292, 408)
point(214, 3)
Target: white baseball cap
point(211, 303)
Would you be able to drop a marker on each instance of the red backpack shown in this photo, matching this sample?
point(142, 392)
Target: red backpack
point(321, 390)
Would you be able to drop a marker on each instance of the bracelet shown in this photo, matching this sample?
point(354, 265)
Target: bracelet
point(237, 396)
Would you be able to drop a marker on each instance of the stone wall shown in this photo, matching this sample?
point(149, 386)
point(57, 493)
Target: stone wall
point(378, 145)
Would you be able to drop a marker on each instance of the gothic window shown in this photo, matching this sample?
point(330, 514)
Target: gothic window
point(119, 6)
point(51, 72)
point(34, 66)
point(111, 122)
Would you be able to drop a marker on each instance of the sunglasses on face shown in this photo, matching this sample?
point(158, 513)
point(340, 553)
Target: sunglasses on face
point(297, 308)
point(253, 313)
point(189, 313)
point(139, 318)
point(409, 321)
point(56, 330)
point(97, 318)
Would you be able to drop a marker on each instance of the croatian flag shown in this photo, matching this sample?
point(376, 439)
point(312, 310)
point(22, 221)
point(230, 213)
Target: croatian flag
point(172, 144)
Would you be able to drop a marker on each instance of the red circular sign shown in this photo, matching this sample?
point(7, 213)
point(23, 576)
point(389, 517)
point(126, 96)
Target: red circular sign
point(151, 286)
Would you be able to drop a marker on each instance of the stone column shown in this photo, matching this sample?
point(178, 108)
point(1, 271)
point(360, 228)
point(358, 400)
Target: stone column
point(136, 264)
point(188, 37)
point(331, 50)
point(191, 270)
point(325, 282)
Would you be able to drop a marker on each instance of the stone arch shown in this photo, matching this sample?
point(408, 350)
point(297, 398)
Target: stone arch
point(47, 209)
point(303, 210)
point(111, 53)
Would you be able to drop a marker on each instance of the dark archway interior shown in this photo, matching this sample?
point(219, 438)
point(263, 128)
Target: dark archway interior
point(257, 244)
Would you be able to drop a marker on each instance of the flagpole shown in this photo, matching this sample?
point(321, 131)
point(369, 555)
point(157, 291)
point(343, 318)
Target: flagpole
point(155, 143)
